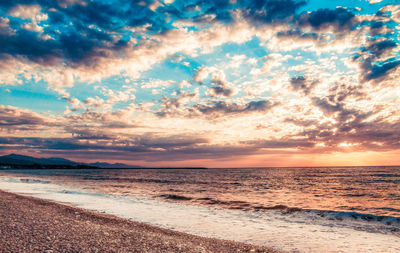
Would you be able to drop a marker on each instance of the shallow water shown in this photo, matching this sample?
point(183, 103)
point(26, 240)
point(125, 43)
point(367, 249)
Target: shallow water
point(293, 209)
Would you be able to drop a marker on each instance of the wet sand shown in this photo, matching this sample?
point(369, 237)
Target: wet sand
point(29, 224)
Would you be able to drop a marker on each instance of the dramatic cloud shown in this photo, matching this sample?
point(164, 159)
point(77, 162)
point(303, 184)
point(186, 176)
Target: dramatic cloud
point(338, 19)
point(153, 82)
point(271, 11)
point(221, 108)
point(302, 84)
point(379, 58)
point(14, 119)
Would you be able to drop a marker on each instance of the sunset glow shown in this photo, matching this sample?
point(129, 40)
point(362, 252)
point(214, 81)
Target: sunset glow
point(202, 83)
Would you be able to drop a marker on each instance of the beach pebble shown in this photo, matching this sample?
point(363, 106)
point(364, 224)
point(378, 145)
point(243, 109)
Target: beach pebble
point(34, 225)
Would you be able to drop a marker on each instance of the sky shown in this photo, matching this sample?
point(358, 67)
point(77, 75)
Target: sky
point(224, 83)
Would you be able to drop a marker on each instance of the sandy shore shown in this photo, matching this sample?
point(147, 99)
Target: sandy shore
point(30, 224)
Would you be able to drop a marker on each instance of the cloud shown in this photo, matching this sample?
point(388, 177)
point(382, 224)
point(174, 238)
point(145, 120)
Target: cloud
point(222, 108)
point(94, 53)
point(15, 119)
point(393, 10)
point(184, 84)
point(283, 143)
point(322, 19)
point(302, 84)
point(145, 148)
point(29, 45)
point(199, 10)
point(88, 26)
point(259, 76)
point(5, 27)
point(354, 127)
point(201, 74)
point(143, 143)
point(83, 133)
point(379, 70)
point(377, 60)
point(156, 83)
point(338, 94)
point(377, 27)
point(87, 29)
point(28, 12)
point(220, 91)
point(380, 47)
point(221, 88)
point(176, 105)
point(270, 11)
point(345, 121)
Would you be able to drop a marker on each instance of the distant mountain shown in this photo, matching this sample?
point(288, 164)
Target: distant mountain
point(14, 159)
point(20, 160)
point(112, 165)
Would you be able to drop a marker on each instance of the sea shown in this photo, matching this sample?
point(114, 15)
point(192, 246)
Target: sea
point(326, 209)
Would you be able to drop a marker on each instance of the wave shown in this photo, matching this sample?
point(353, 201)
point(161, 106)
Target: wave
point(32, 180)
point(246, 206)
point(174, 197)
point(389, 220)
point(346, 219)
point(328, 214)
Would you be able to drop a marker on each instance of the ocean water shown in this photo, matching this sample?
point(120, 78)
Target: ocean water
point(346, 209)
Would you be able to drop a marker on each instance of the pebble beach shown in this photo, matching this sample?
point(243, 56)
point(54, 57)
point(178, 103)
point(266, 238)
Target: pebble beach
point(31, 224)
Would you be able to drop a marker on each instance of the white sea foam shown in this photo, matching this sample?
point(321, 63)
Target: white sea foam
point(295, 232)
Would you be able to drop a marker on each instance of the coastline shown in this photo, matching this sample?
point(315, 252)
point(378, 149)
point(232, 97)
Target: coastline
point(30, 224)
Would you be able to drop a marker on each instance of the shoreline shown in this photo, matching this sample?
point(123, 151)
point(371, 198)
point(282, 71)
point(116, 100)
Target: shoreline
point(30, 224)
